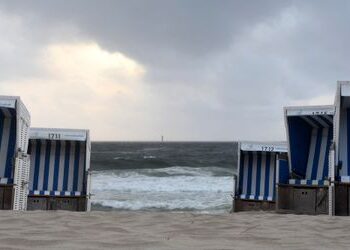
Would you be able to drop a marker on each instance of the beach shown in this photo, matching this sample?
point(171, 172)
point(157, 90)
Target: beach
point(164, 230)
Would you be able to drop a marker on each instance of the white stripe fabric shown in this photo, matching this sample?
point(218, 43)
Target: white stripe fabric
point(272, 177)
point(311, 153)
point(71, 166)
point(263, 173)
point(41, 165)
point(32, 160)
point(323, 152)
point(253, 182)
point(52, 165)
point(61, 169)
point(81, 166)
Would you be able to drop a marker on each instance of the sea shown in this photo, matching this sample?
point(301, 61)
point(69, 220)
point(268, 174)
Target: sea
point(163, 176)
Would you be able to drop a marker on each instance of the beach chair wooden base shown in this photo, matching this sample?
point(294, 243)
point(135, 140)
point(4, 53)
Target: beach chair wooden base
point(302, 199)
point(342, 199)
point(6, 197)
point(251, 205)
point(57, 203)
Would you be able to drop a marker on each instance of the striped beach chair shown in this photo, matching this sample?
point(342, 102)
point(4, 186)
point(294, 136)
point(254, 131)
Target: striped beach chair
point(14, 162)
point(310, 136)
point(59, 177)
point(341, 166)
point(257, 165)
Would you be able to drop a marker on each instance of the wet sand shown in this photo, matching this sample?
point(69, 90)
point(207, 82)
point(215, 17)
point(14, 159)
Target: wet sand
point(156, 230)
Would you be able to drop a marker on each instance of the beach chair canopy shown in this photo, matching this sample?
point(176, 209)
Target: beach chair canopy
point(14, 123)
point(58, 162)
point(257, 169)
point(343, 131)
point(310, 134)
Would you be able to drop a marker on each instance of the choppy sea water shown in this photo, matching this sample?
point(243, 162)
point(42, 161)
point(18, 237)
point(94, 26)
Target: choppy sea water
point(155, 176)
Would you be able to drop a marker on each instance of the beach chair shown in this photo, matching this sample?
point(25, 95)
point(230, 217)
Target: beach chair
point(60, 169)
point(254, 188)
point(342, 150)
point(309, 137)
point(14, 162)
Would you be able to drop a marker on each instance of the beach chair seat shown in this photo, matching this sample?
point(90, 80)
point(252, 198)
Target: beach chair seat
point(55, 193)
point(256, 198)
point(308, 182)
point(344, 179)
point(6, 181)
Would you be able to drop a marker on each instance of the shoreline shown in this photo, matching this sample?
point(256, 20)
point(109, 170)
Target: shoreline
point(164, 230)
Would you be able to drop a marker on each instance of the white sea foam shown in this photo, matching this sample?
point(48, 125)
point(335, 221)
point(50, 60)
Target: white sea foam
point(183, 188)
point(149, 157)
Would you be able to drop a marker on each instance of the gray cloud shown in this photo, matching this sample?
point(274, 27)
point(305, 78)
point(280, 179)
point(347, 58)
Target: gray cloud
point(216, 70)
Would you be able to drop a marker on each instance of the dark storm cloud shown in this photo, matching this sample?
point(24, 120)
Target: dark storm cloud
point(152, 31)
point(234, 62)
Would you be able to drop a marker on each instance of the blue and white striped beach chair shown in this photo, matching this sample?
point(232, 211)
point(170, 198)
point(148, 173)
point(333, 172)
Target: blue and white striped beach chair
point(14, 163)
point(309, 136)
point(257, 164)
point(59, 176)
point(342, 150)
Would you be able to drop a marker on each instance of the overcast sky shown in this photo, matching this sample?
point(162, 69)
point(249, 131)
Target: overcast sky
point(186, 69)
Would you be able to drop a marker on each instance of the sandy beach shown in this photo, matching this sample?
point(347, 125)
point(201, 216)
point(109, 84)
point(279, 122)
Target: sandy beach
point(138, 230)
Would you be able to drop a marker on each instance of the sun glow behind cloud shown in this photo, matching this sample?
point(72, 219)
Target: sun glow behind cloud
point(104, 73)
point(81, 86)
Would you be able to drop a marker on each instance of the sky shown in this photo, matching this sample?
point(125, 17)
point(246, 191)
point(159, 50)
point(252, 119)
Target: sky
point(197, 70)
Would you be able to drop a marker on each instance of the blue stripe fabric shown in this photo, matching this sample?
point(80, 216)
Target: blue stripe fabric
point(76, 166)
point(2, 120)
point(47, 165)
point(12, 112)
point(11, 149)
point(36, 165)
point(250, 170)
point(57, 168)
point(57, 165)
point(343, 173)
point(66, 166)
point(260, 166)
point(326, 162)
